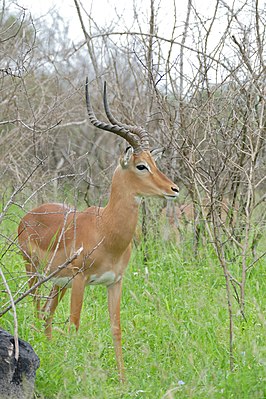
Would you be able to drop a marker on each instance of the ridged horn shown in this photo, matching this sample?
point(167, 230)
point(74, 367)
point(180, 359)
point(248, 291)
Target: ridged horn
point(132, 138)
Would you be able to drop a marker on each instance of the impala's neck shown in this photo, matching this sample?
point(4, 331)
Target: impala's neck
point(120, 216)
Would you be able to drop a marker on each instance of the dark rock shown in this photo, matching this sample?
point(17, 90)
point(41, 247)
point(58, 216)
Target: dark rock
point(17, 378)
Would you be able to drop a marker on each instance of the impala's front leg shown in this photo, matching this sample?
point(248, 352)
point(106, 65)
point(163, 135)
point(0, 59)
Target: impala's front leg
point(77, 294)
point(114, 299)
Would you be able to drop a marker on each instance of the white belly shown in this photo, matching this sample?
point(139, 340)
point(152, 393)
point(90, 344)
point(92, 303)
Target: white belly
point(106, 279)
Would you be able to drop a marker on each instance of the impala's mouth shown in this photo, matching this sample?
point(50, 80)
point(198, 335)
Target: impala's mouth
point(168, 196)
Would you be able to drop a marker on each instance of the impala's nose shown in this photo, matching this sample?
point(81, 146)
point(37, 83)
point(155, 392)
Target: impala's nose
point(175, 189)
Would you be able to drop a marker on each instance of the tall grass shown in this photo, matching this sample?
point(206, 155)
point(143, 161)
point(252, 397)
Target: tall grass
point(175, 332)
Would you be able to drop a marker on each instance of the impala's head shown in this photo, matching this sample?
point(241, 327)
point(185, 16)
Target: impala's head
point(145, 178)
point(138, 165)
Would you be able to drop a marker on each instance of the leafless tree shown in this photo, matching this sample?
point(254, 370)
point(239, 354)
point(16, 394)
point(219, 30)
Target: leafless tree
point(199, 89)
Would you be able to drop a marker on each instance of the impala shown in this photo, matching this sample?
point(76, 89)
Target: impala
point(50, 234)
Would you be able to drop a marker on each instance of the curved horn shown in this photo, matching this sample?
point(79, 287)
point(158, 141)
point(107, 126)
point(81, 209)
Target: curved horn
point(139, 131)
point(114, 128)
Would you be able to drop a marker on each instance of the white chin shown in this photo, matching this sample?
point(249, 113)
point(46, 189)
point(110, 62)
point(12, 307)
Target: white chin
point(170, 197)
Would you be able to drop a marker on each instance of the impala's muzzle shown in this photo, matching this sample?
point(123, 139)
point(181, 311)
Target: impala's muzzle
point(175, 193)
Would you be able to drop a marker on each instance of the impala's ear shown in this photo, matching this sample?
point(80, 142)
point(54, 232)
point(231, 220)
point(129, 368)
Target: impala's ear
point(157, 153)
point(124, 160)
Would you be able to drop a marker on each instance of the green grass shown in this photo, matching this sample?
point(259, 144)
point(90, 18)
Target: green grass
point(175, 333)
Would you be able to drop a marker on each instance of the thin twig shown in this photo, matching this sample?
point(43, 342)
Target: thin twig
point(44, 280)
point(14, 314)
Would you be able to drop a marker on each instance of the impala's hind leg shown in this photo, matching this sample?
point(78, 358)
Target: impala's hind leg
point(33, 279)
point(50, 306)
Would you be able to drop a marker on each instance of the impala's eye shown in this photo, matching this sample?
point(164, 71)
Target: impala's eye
point(141, 167)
